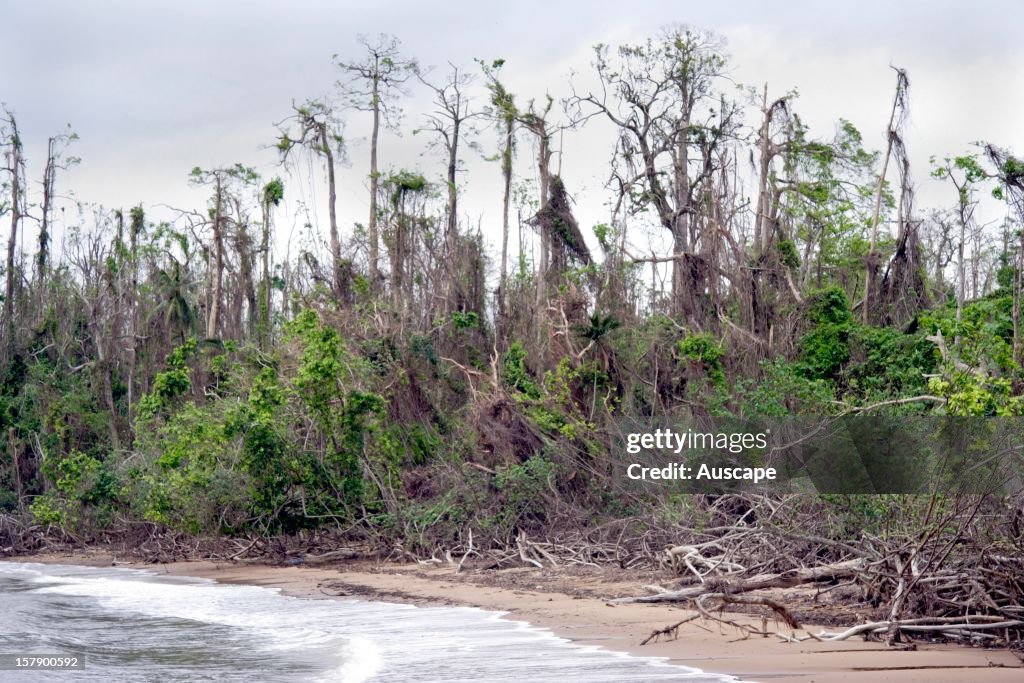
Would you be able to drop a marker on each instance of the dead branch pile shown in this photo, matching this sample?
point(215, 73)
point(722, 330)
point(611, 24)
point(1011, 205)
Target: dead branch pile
point(954, 568)
point(19, 536)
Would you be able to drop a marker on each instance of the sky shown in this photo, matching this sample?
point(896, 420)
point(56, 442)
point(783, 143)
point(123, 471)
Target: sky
point(154, 89)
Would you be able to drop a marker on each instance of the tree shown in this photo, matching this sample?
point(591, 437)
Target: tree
point(451, 123)
point(218, 220)
point(54, 161)
point(1010, 173)
point(271, 196)
point(964, 173)
point(660, 96)
point(535, 121)
point(15, 169)
point(136, 229)
point(894, 139)
point(369, 86)
point(828, 191)
point(319, 130)
point(404, 190)
point(503, 111)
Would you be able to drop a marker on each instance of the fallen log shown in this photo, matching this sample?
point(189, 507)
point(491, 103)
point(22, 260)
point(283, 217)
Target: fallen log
point(933, 625)
point(341, 554)
point(788, 579)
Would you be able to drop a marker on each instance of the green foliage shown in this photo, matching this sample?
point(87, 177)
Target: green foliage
point(404, 183)
point(343, 413)
point(464, 320)
point(599, 326)
point(192, 482)
point(559, 411)
point(515, 374)
point(968, 166)
point(783, 389)
point(706, 351)
point(273, 192)
point(170, 384)
point(985, 330)
point(825, 349)
point(603, 233)
point(523, 488)
point(788, 254)
point(829, 306)
point(968, 394)
point(886, 364)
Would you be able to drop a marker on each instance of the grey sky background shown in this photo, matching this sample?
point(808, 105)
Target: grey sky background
point(156, 88)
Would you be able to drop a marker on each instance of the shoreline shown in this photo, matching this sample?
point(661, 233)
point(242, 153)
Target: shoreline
point(570, 609)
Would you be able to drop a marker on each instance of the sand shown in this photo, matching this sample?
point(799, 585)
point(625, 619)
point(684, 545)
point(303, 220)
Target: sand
point(568, 608)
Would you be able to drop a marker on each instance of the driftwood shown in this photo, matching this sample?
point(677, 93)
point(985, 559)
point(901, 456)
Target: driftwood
point(331, 556)
point(774, 605)
point(959, 625)
point(795, 577)
point(670, 632)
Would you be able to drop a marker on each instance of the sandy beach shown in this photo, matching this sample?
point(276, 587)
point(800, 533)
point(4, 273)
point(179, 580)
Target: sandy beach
point(574, 606)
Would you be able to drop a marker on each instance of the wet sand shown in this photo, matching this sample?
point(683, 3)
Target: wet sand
point(590, 620)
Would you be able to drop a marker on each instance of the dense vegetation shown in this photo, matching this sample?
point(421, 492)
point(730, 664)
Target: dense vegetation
point(412, 391)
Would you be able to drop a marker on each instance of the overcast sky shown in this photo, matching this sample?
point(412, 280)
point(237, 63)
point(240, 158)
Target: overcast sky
point(156, 88)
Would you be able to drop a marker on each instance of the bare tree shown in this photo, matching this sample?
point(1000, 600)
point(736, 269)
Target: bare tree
point(451, 122)
point(897, 117)
point(271, 196)
point(318, 129)
point(369, 85)
point(55, 161)
point(503, 111)
point(218, 223)
point(535, 120)
point(15, 168)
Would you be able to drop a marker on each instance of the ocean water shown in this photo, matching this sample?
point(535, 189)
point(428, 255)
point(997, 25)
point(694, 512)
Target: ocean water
point(132, 625)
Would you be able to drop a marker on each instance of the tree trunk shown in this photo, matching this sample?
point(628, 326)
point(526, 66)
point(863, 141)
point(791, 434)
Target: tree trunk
point(108, 399)
point(44, 225)
point(787, 579)
point(374, 182)
point(961, 277)
point(685, 273)
point(455, 297)
point(506, 171)
point(12, 451)
point(453, 195)
point(213, 320)
point(135, 227)
point(761, 231)
point(265, 299)
point(332, 200)
point(544, 172)
point(871, 274)
point(246, 274)
point(12, 241)
point(1018, 293)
